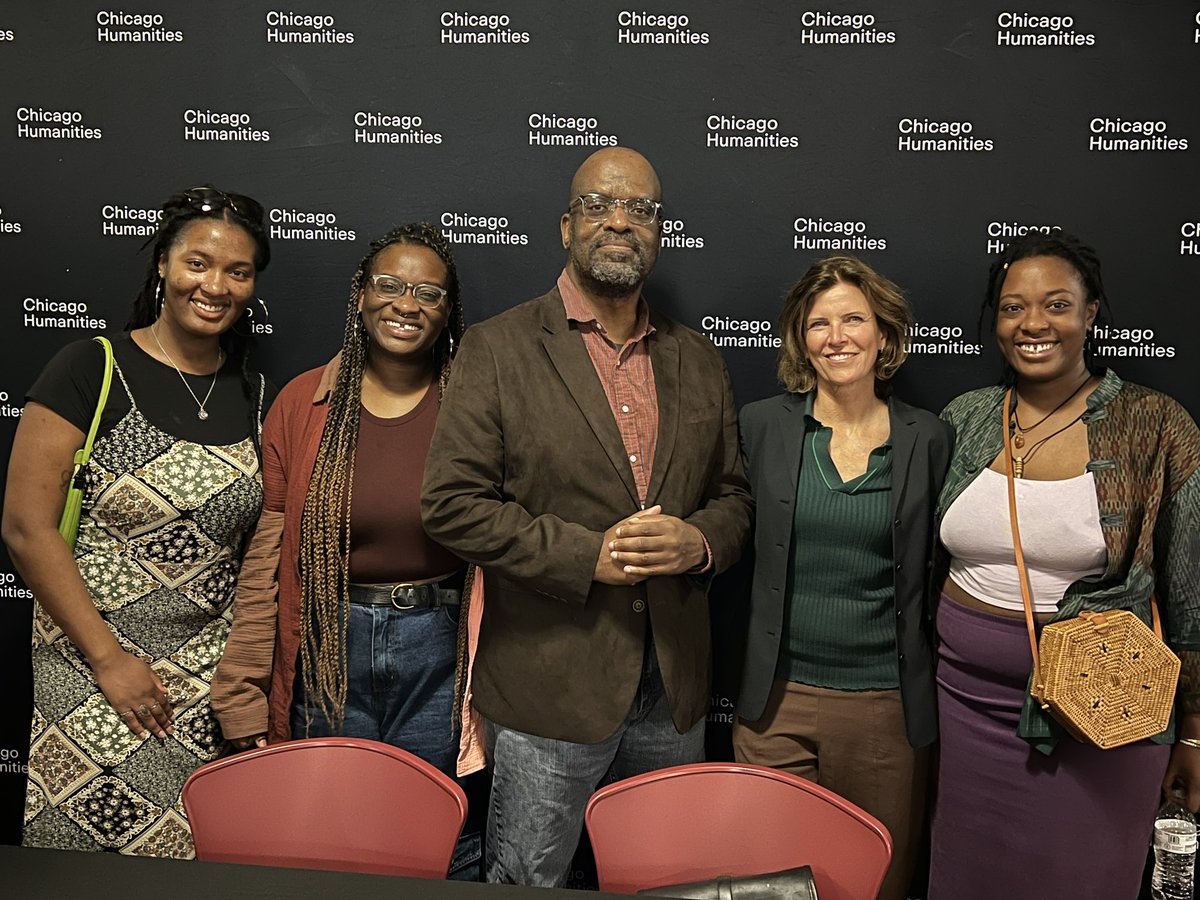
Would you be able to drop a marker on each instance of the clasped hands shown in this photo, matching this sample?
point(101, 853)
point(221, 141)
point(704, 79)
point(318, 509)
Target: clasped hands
point(649, 543)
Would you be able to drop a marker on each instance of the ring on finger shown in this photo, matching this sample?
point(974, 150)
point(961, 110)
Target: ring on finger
point(155, 706)
point(128, 712)
point(144, 710)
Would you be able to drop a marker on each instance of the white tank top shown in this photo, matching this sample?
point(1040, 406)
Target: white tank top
point(1060, 535)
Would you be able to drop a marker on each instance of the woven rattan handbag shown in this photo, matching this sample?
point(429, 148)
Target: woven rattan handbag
point(1104, 676)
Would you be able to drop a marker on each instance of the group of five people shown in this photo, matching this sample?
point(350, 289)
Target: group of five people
point(506, 537)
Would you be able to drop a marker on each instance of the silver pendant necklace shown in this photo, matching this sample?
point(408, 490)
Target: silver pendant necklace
point(203, 413)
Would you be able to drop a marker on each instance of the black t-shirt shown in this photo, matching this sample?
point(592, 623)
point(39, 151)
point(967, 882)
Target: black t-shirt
point(70, 386)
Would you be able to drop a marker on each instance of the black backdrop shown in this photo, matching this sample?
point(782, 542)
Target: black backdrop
point(920, 138)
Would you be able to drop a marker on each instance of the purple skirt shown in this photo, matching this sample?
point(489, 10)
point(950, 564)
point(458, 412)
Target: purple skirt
point(1008, 821)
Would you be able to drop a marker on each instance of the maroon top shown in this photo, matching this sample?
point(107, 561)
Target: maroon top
point(387, 542)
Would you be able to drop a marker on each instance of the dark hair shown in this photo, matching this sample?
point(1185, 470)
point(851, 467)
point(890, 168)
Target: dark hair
point(1063, 245)
point(325, 524)
point(179, 210)
point(887, 303)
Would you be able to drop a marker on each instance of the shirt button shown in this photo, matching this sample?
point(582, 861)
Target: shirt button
point(624, 407)
point(633, 457)
point(639, 606)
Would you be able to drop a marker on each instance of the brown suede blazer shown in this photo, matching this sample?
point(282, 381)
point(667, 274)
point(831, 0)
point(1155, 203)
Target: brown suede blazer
point(526, 472)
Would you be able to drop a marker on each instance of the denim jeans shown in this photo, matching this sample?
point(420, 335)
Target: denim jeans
point(400, 690)
point(540, 786)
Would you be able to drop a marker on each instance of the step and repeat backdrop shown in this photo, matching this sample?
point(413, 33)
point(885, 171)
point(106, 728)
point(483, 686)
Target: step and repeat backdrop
point(921, 139)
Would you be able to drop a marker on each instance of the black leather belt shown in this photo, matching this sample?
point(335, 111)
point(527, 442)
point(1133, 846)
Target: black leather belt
point(405, 595)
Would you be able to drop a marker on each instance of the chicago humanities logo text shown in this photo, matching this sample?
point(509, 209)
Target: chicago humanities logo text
point(674, 236)
point(54, 124)
point(385, 128)
point(742, 133)
point(295, 28)
point(235, 126)
point(470, 28)
point(306, 225)
point(940, 340)
point(1000, 233)
point(42, 312)
point(128, 221)
point(726, 332)
point(1146, 135)
point(7, 226)
point(144, 28)
point(10, 590)
point(1024, 29)
point(466, 228)
point(949, 137)
point(656, 28)
point(552, 130)
point(7, 409)
point(827, 234)
point(1189, 246)
point(7, 34)
point(1109, 341)
point(842, 28)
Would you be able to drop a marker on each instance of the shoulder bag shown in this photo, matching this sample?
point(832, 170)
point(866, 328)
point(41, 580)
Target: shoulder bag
point(1104, 676)
point(68, 524)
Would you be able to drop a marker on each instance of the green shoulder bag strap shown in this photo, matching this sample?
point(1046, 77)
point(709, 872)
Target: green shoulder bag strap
point(68, 525)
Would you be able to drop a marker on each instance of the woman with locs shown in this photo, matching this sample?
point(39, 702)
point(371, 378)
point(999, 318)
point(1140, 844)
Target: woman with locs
point(347, 615)
point(128, 628)
point(838, 678)
point(1108, 500)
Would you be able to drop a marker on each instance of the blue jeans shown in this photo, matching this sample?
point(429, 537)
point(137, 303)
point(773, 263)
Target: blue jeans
point(400, 690)
point(540, 786)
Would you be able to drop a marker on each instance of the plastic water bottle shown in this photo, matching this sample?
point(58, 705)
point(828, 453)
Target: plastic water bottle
point(1174, 852)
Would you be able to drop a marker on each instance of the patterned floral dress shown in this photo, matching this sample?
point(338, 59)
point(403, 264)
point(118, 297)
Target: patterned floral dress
point(159, 549)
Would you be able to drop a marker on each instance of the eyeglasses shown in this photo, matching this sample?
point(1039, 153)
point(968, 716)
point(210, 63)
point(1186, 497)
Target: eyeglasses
point(390, 287)
point(598, 207)
point(208, 199)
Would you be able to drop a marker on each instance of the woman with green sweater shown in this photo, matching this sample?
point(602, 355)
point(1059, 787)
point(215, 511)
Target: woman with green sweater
point(838, 679)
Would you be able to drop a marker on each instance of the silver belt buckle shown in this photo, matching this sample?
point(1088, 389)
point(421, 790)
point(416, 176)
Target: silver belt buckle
point(406, 586)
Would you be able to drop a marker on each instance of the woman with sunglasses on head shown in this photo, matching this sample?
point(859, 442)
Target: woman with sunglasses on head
point(1107, 485)
point(128, 629)
point(361, 637)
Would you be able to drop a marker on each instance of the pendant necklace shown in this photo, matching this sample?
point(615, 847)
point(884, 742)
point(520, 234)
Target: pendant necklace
point(1019, 432)
point(203, 413)
point(1019, 461)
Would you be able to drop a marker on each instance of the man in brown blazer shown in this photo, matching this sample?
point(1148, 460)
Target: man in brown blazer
point(586, 456)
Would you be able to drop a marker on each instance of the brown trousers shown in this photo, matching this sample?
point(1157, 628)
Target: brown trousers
point(854, 744)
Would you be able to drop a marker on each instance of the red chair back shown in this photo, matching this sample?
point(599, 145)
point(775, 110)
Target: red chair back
point(345, 804)
point(696, 822)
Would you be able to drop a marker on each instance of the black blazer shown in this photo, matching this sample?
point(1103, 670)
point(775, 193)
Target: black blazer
point(772, 434)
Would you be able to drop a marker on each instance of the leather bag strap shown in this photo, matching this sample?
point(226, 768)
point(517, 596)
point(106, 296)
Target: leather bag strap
point(1022, 571)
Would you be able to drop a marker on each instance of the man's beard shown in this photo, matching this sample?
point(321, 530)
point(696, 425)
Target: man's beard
point(611, 277)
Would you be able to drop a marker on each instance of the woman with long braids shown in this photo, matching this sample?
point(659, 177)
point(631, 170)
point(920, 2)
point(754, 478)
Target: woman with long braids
point(128, 630)
point(347, 615)
point(1107, 480)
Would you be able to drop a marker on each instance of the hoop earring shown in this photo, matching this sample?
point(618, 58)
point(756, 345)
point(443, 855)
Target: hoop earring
point(160, 296)
point(450, 334)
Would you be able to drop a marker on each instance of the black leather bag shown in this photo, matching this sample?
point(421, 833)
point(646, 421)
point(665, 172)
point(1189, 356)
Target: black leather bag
point(790, 884)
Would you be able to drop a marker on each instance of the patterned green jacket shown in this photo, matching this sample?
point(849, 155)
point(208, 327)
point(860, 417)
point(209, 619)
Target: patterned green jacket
point(1144, 451)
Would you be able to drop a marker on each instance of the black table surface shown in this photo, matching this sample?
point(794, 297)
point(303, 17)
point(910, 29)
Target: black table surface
point(33, 874)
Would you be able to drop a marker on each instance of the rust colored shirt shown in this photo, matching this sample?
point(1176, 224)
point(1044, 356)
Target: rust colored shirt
point(627, 377)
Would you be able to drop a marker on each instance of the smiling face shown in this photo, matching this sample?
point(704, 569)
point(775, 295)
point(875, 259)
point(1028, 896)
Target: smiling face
point(1042, 319)
point(207, 277)
point(401, 326)
point(842, 337)
point(613, 256)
